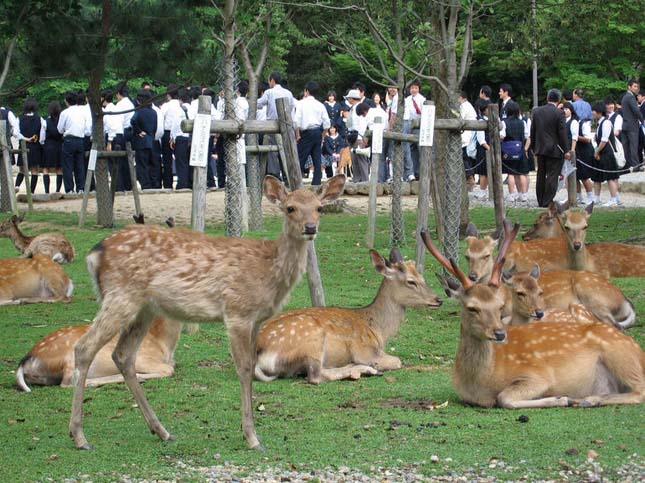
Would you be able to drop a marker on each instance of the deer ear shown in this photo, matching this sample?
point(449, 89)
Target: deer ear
point(380, 264)
point(332, 189)
point(507, 275)
point(274, 190)
point(450, 287)
point(395, 256)
point(535, 273)
point(471, 230)
point(589, 209)
point(559, 208)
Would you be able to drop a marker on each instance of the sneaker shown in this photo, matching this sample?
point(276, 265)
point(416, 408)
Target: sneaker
point(610, 203)
point(511, 197)
point(410, 178)
point(580, 200)
point(524, 197)
point(481, 195)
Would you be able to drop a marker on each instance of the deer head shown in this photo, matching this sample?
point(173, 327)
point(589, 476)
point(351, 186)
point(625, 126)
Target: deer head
point(9, 225)
point(574, 224)
point(527, 294)
point(406, 285)
point(479, 254)
point(302, 208)
point(546, 225)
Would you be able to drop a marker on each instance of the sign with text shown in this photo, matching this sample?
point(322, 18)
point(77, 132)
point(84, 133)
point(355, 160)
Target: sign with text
point(199, 145)
point(426, 127)
point(91, 165)
point(377, 137)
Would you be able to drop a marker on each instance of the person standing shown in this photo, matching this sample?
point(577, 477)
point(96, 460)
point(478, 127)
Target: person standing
point(582, 107)
point(467, 112)
point(171, 111)
point(412, 111)
point(72, 125)
point(312, 122)
point(632, 120)
point(32, 130)
point(604, 157)
point(505, 92)
point(548, 141)
point(515, 129)
point(180, 143)
point(53, 147)
point(113, 128)
point(144, 128)
point(126, 107)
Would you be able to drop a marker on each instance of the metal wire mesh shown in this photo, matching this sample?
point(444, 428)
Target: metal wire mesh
point(452, 200)
point(254, 179)
point(397, 230)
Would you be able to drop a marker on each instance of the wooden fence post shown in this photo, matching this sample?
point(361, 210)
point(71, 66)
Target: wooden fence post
point(7, 191)
point(423, 202)
point(496, 165)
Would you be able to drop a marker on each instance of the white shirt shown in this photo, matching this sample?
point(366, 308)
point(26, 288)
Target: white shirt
point(586, 129)
point(160, 129)
point(375, 112)
point(481, 135)
point(13, 125)
point(193, 107)
point(170, 109)
point(410, 112)
point(112, 124)
point(269, 97)
point(467, 112)
point(88, 119)
point(125, 104)
point(241, 108)
point(72, 122)
point(175, 130)
point(261, 114)
point(573, 128)
point(606, 130)
point(310, 114)
point(618, 123)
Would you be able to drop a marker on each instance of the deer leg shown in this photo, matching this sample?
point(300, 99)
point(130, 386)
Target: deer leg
point(526, 394)
point(124, 357)
point(386, 362)
point(242, 337)
point(350, 371)
point(101, 332)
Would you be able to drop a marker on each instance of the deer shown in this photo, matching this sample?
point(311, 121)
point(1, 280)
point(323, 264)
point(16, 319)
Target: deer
point(560, 288)
point(142, 271)
point(55, 245)
point(538, 365)
point(33, 280)
point(333, 343)
point(51, 360)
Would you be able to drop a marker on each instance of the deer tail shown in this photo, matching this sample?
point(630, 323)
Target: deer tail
point(94, 261)
point(628, 313)
point(20, 375)
point(260, 375)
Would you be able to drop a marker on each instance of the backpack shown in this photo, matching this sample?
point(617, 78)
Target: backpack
point(512, 150)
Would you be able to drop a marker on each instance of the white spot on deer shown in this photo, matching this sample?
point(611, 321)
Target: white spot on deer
point(281, 340)
point(293, 332)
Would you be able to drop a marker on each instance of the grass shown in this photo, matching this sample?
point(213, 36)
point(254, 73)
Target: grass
point(379, 421)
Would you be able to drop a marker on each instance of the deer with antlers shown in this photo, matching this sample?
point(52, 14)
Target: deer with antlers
point(33, 280)
point(142, 271)
point(51, 360)
point(559, 288)
point(332, 343)
point(54, 245)
point(541, 364)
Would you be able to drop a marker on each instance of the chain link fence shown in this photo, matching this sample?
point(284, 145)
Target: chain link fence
point(397, 231)
point(451, 202)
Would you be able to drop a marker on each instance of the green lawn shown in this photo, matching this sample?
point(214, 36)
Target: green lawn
point(379, 421)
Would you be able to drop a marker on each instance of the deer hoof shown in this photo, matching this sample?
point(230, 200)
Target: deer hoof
point(171, 438)
point(259, 447)
point(86, 447)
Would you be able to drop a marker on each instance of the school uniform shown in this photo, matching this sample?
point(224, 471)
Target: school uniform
point(52, 149)
point(113, 129)
point(182, 151)
point(606, 161)
point(268, 100)
point(144, 127)
point(412, 111)
point(72, 125)
point(584, 151)
point(311, 120)
point(30, 125)
point(515, 130)
point(172, 114)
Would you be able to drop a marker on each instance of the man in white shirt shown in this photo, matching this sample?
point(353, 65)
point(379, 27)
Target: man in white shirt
point(180, 142)
point(467, 112)
point(113, 128)
point(72, 125)
point(126, 106)
point(311, 121)
point(413, 104)
point(275, 91)
point(172, 114)
point(505, 92)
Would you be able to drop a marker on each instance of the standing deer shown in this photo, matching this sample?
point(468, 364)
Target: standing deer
point(142, 271)
point(540, 364)
point(54, 245)
point(332, 343)
point(51, 360)
point(33, 280)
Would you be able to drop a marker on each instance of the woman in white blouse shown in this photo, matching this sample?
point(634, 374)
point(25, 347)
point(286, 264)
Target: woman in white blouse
point(604, 159)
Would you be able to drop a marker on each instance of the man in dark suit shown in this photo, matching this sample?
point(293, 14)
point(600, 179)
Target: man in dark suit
point(632, 119)
point(144, 126)
point(548, 141)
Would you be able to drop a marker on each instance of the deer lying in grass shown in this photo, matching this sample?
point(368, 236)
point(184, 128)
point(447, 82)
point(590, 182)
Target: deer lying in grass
point(546, 225)
point(51, 360)
point(33, 280)
point(332, 343)
point(54, 245)
point(539, 364)
point(145, 270)
point(560, 288)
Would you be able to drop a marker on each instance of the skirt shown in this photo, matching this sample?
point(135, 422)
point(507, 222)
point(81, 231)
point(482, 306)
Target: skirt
point(480, 165)
point(520, 166)
point(52, 153)
point(584, 152)
point(34, 155)
point(606, 162)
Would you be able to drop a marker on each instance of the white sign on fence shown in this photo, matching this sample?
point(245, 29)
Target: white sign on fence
point(377, 137)
point(91, 165)
point(199, 145)
point(426, 128)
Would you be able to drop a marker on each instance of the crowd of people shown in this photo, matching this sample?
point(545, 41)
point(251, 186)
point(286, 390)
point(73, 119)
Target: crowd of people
point(545, 140)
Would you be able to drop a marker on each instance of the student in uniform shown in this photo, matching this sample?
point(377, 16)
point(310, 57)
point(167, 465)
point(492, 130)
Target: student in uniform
point(71, 125)
point(32, 129)
point(53, 147)
point(604, 158)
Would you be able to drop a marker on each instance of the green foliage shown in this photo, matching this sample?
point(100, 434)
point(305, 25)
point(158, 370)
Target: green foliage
point(310, 427)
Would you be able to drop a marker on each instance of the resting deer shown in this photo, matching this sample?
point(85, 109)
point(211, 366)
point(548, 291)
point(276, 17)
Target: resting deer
point(560, 288)
point(33, 280)
point(540, 364)
point(332, 343)
point(546, 225)
point(51, 360)
point(54, 245)
point(143, 270)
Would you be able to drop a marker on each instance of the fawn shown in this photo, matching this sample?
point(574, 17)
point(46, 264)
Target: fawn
point(54, 245)
point(142, 271)
point(540, 364)
point(51, 360)
point(33, 280)
point(332, 343)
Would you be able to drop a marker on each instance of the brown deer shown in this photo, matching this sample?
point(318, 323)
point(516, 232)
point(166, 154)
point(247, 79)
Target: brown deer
point(540, 364)
point(332, 343)
point(54, 245)
point(51, 360)
point(33, 280)
point(546, 225)
point(560, 288)
point(142, 271)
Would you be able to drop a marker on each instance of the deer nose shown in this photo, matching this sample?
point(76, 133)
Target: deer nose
point(438, 302)
point(539, 314)
point(500, 334)
point(472, 276)
point(577, 245)
point(311, 228)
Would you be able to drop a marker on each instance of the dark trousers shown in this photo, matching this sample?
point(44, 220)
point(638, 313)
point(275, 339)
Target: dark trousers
point(182, 153)
point(548, 174)
point(73, 163)
point(310, 144)
point(155, 168)
point(220, 164)
point(123, 181)
point(630, 146)
point(143, 157)
point(166, 155)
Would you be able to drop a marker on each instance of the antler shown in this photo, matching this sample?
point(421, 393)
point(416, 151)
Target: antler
point(509, 236)
point(449, 265)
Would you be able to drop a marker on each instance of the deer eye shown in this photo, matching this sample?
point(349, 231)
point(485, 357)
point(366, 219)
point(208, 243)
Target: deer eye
point(290, 209)
point(567, 228)
point(585, 228)
point(540, 293)
point(467, 257)
point(412, 283)
point(486, 257)
point(473, 310)
point(521, 295)
point(320, 209)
